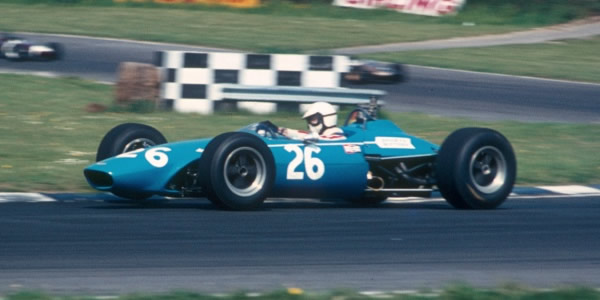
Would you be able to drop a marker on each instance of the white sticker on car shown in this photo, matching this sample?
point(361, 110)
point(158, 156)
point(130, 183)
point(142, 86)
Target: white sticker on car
point(351, 148)
point(394, 142)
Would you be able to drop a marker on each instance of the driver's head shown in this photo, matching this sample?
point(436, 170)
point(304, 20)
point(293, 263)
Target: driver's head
point(320, 116)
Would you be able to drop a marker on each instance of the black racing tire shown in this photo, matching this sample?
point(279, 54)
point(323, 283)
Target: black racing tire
point(23, 51)
point(204, 166)
point(364, 77)
point(59, 51)
point(239, 171)
point(128, 137)
point(476, 168)
point(401, 75)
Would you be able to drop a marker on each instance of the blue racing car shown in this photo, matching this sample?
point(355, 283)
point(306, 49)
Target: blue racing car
point(474, 168)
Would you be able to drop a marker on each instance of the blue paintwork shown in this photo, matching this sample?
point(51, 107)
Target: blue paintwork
point(344, 164)
point(133, 172)
point(385, 128)
point(344, 174)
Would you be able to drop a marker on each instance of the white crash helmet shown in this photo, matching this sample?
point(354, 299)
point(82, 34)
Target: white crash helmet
point(320, 116)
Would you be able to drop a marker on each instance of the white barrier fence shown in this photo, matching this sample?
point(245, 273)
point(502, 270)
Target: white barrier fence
point(261, 83)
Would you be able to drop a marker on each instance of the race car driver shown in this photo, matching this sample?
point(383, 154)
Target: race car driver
point(321, 119)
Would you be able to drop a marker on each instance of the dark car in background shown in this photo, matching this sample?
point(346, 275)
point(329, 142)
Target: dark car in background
point(371, 71)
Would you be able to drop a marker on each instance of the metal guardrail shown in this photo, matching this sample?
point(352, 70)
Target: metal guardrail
point(343, 96)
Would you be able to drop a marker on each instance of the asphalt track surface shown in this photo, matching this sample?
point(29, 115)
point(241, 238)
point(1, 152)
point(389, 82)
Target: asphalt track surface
point(100, 247)
point(573, 30)
point(428, 90)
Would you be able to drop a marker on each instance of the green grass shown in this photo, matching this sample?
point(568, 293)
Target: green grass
point(568, 59)
point(226, 28)
point(277, 26)
point(456, 292)
point(48, 138)
point(280, 26)
point(534, 12)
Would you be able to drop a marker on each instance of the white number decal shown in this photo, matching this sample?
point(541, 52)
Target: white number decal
point(292, 174)
point(315, 168)
point(130, 154)
point(157, 158)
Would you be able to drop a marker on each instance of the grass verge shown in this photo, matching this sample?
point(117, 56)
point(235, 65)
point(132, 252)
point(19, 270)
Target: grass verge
point(278, 26)
point(284, 27)
point(567, 59)
point(229, 29)
point(48, 138)
point(457, 292)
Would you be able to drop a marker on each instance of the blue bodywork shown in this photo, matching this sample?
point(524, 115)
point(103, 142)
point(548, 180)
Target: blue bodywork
point(324, 169)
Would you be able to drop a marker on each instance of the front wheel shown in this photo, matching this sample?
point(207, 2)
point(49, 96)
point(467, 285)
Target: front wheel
point(241, 171)
point(58, 51)
point(128, 137)
point(125, 138)
point(476, 168)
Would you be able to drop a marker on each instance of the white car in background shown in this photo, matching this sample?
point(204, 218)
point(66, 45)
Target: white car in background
point(16, 48)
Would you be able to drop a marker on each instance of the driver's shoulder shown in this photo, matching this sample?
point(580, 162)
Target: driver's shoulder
point(333, 134)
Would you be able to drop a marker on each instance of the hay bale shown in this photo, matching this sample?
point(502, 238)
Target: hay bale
point(137, 82)
point(95, 108)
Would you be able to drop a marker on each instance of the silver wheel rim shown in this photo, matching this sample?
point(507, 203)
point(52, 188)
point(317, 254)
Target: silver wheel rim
point(488, 169)
point(137, 144)
point(245, 171)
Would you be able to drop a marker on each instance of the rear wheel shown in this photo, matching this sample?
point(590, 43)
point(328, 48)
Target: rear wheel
point(241, 171)
point(476, 168)
point(21, 52)
point(400, 75)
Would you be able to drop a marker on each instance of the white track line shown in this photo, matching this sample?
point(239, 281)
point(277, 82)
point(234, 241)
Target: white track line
point(24, 197)
point(571, 189)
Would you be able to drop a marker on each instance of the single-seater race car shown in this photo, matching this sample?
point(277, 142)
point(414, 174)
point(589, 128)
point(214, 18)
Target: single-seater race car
point(475, 168)
point(16, 48)
point(371, 71)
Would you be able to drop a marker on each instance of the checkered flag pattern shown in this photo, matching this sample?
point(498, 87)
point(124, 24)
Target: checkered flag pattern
point(191, 79)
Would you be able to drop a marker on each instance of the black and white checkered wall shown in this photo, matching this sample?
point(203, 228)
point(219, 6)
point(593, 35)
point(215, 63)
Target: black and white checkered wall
point(191, 79)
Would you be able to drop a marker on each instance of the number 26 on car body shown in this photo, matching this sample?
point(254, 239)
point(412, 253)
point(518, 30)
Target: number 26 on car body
point(314, 167)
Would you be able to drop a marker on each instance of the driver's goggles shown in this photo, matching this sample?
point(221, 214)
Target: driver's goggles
point(314, 120)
